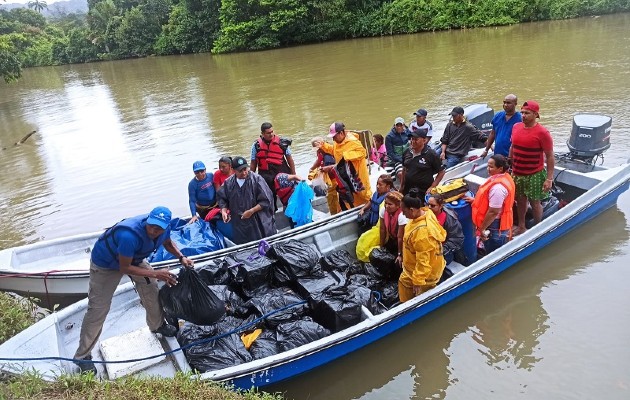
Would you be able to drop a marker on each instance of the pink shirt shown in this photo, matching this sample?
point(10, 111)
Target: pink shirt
point(379, 155)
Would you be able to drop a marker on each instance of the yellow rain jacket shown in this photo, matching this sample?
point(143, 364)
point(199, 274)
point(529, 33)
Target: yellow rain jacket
point(422, 250)
point(353, 151)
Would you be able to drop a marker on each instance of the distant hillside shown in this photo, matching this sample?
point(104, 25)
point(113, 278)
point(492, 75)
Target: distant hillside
point(62, 6)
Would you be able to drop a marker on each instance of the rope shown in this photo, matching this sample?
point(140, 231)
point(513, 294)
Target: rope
point(189, 345)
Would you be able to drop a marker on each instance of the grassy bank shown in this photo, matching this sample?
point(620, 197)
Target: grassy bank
point(18, 314)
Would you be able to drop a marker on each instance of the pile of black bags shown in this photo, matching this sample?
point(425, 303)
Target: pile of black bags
point(283, 299)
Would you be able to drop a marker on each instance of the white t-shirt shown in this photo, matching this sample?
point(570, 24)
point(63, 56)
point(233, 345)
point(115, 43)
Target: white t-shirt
point(402, 220)
point(427, 126)
point(497, 196)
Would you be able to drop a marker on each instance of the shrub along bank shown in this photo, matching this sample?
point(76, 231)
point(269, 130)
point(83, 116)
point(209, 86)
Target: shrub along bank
point(115, 29)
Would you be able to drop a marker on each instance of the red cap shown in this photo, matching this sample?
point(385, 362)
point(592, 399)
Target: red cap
point(531, 105)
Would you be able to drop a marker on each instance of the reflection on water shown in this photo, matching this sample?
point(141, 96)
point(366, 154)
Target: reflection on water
point(500, 325)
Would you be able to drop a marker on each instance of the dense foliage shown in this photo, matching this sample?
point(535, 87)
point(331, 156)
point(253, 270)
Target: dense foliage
point(114, 29)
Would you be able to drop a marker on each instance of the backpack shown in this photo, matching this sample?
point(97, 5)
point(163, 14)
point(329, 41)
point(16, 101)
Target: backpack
point(451, 191)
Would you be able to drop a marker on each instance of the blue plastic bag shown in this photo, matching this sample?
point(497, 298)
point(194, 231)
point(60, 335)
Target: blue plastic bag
point(192, 239)
point(299, 208)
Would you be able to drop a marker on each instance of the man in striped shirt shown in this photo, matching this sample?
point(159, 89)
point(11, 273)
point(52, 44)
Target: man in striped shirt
point(532, 147)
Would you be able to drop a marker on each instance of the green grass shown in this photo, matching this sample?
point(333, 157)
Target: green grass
point(18, 314)
point(15, 315)
point(79, 387)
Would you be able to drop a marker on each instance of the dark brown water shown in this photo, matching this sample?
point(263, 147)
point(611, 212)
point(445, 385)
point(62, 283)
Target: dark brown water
point(115, 139)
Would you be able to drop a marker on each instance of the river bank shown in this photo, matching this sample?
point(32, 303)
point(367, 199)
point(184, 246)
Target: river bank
point(140, 29)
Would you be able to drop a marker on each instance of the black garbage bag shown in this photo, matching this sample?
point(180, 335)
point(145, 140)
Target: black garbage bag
point(191, 300)
point(233, 302)
point(389, 294)
point(256, 292)
point(357, 268)
point(249, 271)
point(295, 260)
point(297, 333)
point(374, 272)
point(265, 345)
point(340, 307)
point(385, 263)
point(274, 300)
point(215, 274)
point(366, 280)
point(308, 287)
point(217, 354)
point(339, 260)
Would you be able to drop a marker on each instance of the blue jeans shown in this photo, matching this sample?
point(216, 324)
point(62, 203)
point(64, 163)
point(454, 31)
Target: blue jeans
point(496, 238)
point(452, 160)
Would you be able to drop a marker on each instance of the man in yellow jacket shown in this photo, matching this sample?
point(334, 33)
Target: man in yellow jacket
point(422, 258)
point(347, 146)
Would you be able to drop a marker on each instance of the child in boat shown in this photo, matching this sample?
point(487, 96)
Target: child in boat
point(285, 185)
point(224, 172)
point(384, 184)
point(392, 225)
point(379, 152)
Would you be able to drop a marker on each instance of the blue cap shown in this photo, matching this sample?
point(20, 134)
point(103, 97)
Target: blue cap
point(421, 112)
point(160, 216)
point(198, 166)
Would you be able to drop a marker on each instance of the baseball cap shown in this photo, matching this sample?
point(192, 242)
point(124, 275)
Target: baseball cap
point(335, 128)
point(456, 111)
point(160, 216)
point(198, 166)
point(239, 163)
point(399, 120)
point(422, 112)
point(531, 105)
point(419, 133)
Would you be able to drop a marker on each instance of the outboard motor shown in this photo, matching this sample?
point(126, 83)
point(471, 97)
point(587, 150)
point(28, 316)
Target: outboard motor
point(590, 137)
point(480, 115)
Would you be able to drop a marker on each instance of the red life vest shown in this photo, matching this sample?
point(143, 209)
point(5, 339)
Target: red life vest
point(269, 153)
point(482, 201)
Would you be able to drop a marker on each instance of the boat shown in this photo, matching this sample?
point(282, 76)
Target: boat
point(128, 349)
point(58, 269)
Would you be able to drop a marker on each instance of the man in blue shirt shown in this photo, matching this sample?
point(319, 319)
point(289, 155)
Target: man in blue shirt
point(201, 192)
point(122, 250)
point(502, 123)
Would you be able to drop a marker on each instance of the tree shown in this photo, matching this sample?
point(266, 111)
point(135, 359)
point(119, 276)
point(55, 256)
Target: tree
point(37, 5)
point(10, 68)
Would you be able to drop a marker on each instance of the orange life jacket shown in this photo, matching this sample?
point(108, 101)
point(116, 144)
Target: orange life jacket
point(482, 201)
point(269, 153)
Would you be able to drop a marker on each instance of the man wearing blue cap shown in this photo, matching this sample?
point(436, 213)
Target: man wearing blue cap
point(122, 250)
point(201, 193)
point(420, 123)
